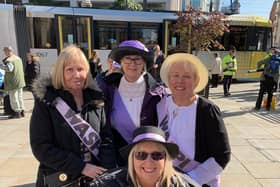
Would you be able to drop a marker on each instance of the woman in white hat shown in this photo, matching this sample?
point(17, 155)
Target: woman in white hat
point(193, 122)
point(149, 163)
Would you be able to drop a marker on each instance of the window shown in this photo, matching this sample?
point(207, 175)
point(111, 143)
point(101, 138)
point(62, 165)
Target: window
point(148, 33)
point(42, 32)
point(110, 34)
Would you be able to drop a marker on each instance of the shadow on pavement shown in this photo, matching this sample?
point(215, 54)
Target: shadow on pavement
point(25, 185)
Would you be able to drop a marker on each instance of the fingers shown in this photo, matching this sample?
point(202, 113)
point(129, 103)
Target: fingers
point(93, 170)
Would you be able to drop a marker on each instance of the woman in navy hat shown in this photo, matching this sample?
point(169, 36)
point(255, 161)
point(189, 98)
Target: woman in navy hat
point(149, 163)
point(133, 95)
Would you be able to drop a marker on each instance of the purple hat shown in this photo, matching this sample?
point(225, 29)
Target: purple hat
point(150, 133)
point(132, 47)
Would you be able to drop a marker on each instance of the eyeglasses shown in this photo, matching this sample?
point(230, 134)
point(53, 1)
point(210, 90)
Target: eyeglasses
point(141, 155)
point(129, 60)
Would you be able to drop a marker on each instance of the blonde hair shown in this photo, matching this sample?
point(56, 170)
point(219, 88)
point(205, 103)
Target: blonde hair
point(70, 54)
point(168, 170)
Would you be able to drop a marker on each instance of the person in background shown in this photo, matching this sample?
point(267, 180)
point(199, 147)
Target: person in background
point(133, 94)
point(269, 78)
point(216, 70)
point(95, 64)
point(158, 60)
point(193, 122)
point(69, 135)
point(229, 66)
point(14, 81)
point(149, 163)
point(32, 69)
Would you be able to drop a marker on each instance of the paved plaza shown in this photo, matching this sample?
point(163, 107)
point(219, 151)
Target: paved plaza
point(254, 138)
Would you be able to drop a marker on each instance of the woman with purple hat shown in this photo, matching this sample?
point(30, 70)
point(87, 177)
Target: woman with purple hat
point(132, 97)
point(149, 163)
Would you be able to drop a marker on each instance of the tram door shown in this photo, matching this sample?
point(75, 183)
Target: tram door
point(75, 30)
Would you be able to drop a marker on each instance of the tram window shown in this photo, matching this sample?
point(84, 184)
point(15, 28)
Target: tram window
point(260, 40)
point(110, 34)
point(42, 33)
point(148, 33)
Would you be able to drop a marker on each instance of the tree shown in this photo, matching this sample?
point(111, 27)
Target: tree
point(200, 30)
point(127, 4)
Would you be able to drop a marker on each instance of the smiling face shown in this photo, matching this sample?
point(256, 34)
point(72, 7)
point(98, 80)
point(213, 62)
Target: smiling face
point(182, 80)
point(148, 170)
point(132, 66)
point(75, 76)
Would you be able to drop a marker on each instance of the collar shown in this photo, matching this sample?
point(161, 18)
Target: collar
point(134, 89)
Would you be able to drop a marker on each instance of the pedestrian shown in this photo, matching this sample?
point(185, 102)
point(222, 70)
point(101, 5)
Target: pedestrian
point(14, 81)
point(69, 135)
point(95, 64)
point(149, 163)
point(269, 78)
point(134, 94)
point(193, 122)
point(216, 70)
point(32, 69)
point(158, 60)
point(229, 66)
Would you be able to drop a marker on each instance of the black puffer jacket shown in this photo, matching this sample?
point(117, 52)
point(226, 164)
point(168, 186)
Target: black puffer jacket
point(119, 178)
point(54, 143)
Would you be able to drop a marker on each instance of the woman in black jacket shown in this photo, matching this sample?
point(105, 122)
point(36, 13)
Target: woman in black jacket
point(69, 149)
point(192, 122)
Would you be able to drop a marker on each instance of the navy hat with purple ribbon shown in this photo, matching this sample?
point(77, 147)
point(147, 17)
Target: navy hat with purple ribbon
point(150, 133)
point(132, 47)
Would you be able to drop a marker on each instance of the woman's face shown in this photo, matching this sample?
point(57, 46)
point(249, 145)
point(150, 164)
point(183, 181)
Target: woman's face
point(181, 80)
point(133, 66)
point(148, 170)
point(75, 76)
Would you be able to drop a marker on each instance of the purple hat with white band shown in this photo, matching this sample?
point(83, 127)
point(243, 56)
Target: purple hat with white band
point(150, 133)
point(132, 47)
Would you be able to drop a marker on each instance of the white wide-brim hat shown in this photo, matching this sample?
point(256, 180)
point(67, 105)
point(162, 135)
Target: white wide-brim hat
point(202, 71)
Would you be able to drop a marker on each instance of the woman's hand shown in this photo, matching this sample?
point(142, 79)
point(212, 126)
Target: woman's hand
point(92, 171)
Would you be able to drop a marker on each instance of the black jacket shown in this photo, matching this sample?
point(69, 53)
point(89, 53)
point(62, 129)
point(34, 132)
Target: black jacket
point(32, 70)
point(53, 142)
point(119, 178)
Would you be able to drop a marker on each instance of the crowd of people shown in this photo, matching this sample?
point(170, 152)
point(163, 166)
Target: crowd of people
point(120, 127)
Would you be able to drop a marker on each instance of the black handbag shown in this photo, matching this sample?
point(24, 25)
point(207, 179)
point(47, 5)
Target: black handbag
point(60, 179)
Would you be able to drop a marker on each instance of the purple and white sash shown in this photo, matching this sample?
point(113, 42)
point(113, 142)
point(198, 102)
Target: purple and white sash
point(120, 118)
point(82, 129)
point(182, 161)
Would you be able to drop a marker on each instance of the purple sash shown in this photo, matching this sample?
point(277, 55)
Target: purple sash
point(82, 129)
point(182, 162)
point(120, 118)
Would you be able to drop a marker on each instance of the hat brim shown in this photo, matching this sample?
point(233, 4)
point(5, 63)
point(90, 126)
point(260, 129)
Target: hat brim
point(119, 52)
point(178, 57)
point(172, 149)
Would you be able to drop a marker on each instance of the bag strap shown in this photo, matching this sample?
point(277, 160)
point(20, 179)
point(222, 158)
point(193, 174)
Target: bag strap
point(82, 128)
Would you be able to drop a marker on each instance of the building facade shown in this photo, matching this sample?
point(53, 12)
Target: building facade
point(275, 19)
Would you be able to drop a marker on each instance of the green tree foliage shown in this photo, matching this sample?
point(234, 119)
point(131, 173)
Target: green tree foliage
point(200, 30)
point(127, 4)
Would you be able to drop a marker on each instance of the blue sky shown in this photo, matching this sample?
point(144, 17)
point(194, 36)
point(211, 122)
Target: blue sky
point(253, 7)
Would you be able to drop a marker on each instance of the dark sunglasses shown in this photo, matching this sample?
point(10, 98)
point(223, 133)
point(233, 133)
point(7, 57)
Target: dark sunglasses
point(141, 155)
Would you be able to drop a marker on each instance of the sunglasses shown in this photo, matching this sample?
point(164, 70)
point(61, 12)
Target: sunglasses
point(141, 155)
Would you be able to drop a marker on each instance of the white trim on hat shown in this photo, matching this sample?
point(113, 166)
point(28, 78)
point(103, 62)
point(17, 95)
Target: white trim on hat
point(150, 136)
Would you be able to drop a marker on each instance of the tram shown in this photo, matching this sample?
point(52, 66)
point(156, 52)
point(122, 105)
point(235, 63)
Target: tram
point(46, 30)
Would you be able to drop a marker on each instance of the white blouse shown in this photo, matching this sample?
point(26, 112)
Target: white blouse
point(132, 95)
point(182, 120)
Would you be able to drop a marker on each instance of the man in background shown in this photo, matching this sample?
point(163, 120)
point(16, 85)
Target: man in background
point(14, 81)
point(229, 66)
